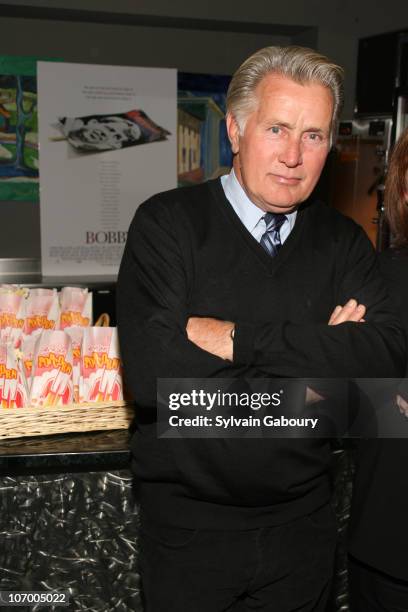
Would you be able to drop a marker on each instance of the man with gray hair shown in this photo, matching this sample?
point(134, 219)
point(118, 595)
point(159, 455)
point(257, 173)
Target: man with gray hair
point(249, 276)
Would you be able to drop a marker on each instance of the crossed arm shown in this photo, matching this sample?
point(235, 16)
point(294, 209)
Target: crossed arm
point(217, 337)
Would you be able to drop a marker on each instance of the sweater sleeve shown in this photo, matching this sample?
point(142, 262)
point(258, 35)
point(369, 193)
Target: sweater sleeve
point(152, 296)
point(375, 348)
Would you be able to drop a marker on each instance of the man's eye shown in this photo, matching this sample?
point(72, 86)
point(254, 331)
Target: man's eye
point(275, 129)
point(315, 137)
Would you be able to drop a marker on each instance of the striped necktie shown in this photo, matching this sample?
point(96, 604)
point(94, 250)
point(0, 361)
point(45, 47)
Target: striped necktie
point(270, 240)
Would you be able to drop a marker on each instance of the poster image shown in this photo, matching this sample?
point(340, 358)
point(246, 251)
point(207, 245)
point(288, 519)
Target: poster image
point(203, 147)
point(108, 142)
point(110, 132)
point(18, 129)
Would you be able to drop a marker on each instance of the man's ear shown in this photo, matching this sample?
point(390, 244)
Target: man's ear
point(233, 132)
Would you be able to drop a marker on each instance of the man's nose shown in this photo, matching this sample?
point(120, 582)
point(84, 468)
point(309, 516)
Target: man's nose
point(291, 154)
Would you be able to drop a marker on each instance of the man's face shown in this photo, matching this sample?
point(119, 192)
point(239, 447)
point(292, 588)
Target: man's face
point(281, 153)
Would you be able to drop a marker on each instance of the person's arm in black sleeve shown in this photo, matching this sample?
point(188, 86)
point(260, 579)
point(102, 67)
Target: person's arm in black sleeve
point(152, 294)
point(375, 348)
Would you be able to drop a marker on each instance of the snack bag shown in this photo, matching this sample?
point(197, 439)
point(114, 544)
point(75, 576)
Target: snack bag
point(19, 289)
point(42, 310)
point(27, 354)
point(76, 334)
point(12, 314)
point(101, 367)
point(76, 307)
point(51, 376)
point(13, 388)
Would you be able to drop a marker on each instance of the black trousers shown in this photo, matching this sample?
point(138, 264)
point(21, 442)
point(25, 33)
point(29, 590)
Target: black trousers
point(372, 591)
point(274, 569)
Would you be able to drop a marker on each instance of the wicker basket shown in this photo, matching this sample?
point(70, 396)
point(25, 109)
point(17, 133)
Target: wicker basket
point(20, 422)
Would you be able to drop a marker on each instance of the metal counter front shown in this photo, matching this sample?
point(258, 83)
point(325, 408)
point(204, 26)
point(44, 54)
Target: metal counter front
point(68, 520)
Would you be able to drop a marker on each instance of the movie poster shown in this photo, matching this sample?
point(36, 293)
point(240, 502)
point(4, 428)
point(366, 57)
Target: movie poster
point(108, 141)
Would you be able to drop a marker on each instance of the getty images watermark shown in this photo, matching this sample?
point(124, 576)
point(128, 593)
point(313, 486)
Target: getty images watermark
point(221, 400)
point(279, 408)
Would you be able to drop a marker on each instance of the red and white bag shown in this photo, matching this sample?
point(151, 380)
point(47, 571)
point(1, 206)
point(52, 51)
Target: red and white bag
point(42, 311)
point(27, 355)
point(12, 314)
point(76, 307)
point(13, 387)
point(101, 366)
point(76, 334)
point(51, 376)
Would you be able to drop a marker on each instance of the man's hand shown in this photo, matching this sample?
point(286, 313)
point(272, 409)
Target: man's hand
point(312, 397)
point(211, 335)
point(351, 311)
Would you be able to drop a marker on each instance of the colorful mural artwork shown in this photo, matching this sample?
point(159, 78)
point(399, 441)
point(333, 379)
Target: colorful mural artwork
point(18, 129)
point(203, 146)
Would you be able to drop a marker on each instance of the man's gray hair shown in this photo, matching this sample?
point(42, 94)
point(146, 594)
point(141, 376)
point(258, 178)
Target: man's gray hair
point(300, 64)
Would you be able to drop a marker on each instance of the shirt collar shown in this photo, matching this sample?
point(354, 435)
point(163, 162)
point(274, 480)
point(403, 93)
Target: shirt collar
point(247, 211)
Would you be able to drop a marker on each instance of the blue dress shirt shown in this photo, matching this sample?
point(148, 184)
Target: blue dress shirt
point(250, 214)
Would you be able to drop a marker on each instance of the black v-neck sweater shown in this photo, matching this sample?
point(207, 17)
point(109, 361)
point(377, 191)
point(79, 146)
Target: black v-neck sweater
point(189, 254)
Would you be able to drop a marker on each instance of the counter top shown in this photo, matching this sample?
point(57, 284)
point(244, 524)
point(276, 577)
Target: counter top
point(27, 271)
point(36, 280)
point(83, 452)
